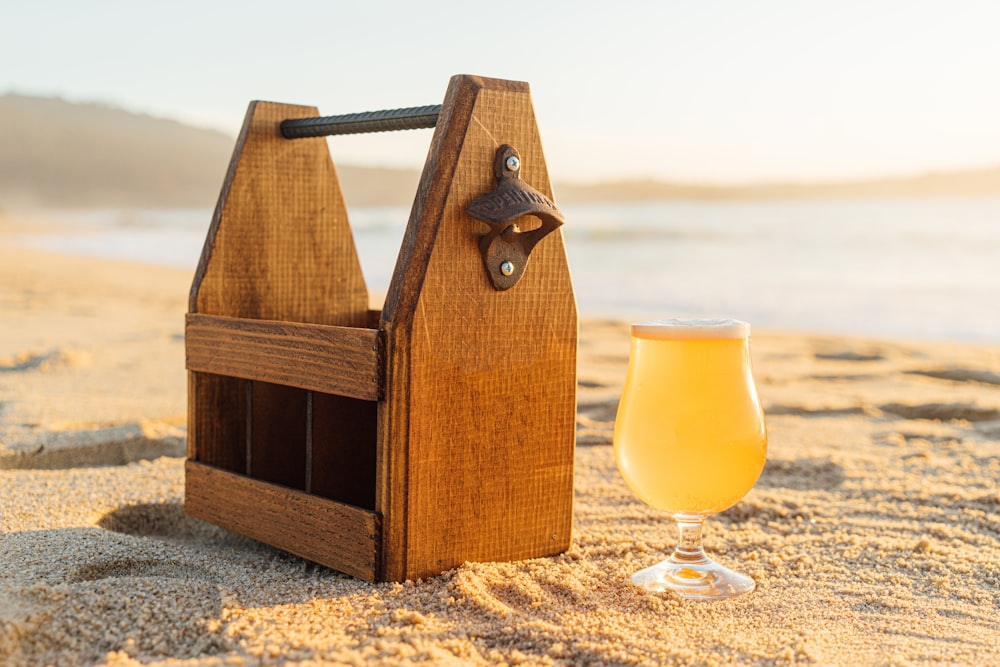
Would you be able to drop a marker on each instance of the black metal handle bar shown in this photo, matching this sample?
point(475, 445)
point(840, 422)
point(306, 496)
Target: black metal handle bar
point(386, 120)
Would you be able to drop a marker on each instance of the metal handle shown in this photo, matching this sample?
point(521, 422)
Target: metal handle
point(386, 120)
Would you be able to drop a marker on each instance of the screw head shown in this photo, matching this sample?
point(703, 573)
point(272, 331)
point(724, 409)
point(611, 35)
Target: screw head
point(507, 268)
point(512, 163)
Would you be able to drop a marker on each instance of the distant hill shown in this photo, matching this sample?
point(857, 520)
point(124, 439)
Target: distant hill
point(59, 153)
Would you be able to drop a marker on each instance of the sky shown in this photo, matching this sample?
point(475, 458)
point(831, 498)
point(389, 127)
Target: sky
point(706, 91)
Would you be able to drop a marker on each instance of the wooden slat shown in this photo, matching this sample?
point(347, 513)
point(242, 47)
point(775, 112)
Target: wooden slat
point(340, 536)
point(332, 360)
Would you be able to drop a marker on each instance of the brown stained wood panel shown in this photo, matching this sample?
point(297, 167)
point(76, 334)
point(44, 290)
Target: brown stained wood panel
point(280, 246)
point(278, 430)
point(217, 432)
point(478, 425)
point(333, 534)
point(343, 449)
point(340, 360)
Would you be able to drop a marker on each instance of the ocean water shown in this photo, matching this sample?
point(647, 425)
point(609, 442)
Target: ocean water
point(903, 268)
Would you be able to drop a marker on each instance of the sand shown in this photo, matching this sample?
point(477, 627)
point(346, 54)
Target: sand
point(873, 533)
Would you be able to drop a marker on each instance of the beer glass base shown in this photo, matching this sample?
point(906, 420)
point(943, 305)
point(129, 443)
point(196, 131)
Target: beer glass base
point(701, 580)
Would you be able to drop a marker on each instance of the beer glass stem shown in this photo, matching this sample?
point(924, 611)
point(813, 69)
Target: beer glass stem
point(689, 549)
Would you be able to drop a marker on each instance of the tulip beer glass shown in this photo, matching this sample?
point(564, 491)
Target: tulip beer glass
point(690, 439)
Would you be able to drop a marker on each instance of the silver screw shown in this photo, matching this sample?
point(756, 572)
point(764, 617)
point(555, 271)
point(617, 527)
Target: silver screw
point(507, 267)
point(513, 164)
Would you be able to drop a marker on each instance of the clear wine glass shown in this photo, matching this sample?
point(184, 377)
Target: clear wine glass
point(690, 439)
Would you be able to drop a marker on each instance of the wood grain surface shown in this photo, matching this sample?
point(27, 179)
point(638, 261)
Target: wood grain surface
point(334, 534)
point(280, 246)
point(334, 360)
point(477, 429)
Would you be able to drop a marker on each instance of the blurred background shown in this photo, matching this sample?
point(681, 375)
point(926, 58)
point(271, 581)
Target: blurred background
point(823, 166)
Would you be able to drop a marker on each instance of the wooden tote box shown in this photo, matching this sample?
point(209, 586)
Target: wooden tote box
point(399, 443)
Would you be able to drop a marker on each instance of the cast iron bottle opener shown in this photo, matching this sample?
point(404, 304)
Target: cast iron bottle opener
point(505, 248)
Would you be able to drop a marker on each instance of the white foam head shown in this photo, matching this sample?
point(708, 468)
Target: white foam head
point(681, 329)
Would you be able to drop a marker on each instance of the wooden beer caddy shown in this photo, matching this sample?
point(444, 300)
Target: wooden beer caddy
point(400, 443)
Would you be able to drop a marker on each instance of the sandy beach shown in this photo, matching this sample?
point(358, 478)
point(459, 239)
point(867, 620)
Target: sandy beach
point(873, 533)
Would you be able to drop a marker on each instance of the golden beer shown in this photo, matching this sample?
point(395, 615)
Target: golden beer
point(690, 431)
